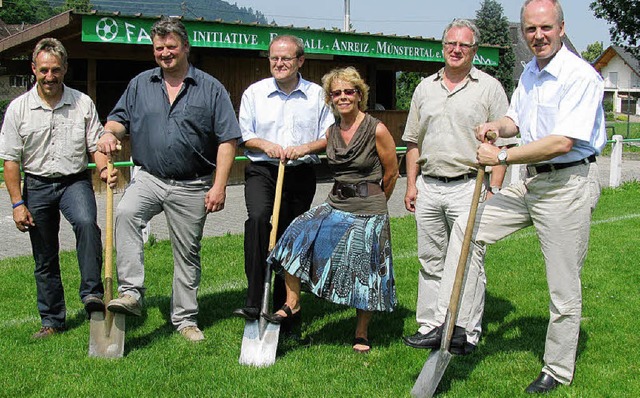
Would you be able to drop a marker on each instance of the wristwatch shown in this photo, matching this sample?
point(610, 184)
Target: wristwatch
point(502, 156)
point(494, 189)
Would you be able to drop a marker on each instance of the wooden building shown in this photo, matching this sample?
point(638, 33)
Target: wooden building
point(107, 50)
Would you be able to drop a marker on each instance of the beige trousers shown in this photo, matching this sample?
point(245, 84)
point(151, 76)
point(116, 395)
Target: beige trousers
point(438, 205)
point(558, 204)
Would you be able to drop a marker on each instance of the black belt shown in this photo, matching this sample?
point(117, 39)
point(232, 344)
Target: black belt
point(547, 167)
point(456, 178)
point(361, 189)
point(61, 179)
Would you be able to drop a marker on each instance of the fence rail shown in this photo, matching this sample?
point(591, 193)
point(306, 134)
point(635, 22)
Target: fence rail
point(615, 174)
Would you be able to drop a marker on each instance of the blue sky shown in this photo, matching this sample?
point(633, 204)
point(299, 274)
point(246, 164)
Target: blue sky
point(425, 18)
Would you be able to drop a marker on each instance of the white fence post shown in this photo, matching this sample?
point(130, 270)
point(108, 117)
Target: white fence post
point(615, 174)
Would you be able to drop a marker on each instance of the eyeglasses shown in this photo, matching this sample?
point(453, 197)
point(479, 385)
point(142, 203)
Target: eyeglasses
point(286, 60)
point(350, 92)
point(463, 46)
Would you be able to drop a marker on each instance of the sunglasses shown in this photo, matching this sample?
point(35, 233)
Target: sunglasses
point(350, 92)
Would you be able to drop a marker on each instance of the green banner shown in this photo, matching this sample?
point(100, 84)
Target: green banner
point(129, 30)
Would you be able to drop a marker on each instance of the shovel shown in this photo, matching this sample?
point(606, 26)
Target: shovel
point(260, 339)
point(437, 362)
point(106, 329)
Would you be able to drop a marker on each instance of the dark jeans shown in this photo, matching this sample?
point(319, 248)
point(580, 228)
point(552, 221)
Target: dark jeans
point(259, 191)
point(72, 196)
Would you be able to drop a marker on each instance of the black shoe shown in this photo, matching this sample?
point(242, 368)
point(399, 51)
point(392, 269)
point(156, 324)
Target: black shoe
point(248, 313)
point(459, 344)
point(462, 348)
point(542, 385)
point(275, 318)
point(93, 304)
point(431, 339)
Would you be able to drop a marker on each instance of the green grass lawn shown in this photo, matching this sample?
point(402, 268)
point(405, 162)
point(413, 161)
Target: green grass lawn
point(627, 131)
point(158, 362)
point(631, 130)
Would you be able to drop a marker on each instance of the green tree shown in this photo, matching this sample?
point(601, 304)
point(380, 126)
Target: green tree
point(76, 5)
point(405, 86)
point(592, 52)
point(624, 17)
point(494, 30)
point(25, 11)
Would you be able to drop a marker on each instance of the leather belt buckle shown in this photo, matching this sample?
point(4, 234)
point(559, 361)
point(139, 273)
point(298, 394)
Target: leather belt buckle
point(346, 191)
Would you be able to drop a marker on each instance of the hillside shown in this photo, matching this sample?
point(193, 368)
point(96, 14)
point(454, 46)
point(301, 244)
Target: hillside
point(189, 9)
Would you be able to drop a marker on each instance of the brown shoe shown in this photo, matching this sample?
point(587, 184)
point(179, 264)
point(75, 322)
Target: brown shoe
point(125, 304)
point(46, 331)
point(192, 333)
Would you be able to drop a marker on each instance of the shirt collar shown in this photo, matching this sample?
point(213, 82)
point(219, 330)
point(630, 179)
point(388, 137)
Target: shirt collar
point(303, 86)
point(473, 73)
point(554, 66)
point(156, 75)
point(36, 102)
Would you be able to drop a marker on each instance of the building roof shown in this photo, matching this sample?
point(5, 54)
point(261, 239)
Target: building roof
point(628, 58)
point(7, 30)
point(115, 28)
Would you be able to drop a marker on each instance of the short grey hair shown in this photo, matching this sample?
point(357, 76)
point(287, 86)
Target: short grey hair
point(556, 4)
point(168, 25)
point(292, 39)
point(51, 46)
point(463, 23)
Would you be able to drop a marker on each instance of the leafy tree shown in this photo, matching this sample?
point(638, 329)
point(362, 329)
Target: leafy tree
point(3, 108)
point(624, 16)
point(25, 11)
point(76, 5)
point(592, 52)
point(494, 30)
point(405, 86)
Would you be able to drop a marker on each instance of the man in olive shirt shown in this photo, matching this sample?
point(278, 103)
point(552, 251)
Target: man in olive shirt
point(441, 158)
point(52, 130)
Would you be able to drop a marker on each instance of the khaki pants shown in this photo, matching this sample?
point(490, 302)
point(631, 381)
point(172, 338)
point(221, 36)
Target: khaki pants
point(558, 204)
point(183, 205)
point(438, 205)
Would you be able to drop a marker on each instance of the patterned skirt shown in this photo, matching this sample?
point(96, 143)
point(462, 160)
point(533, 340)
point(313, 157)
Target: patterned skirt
point(340, 256)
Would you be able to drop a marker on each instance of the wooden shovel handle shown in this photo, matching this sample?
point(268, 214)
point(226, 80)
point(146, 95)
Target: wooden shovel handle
point(108, 252)
point(456, 292)
point(275, 216)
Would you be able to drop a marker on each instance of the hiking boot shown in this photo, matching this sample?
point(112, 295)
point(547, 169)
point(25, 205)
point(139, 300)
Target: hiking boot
point(192, 333)
point(125, 304)
point(93, 304)
point(46, 331)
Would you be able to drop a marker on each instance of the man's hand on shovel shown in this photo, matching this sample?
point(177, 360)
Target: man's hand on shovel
point(487, 154)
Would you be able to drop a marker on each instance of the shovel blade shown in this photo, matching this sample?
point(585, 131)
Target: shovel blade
point(259, 346)
point(431, 373)
point(106, 335)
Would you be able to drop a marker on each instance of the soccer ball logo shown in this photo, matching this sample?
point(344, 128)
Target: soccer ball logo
point(107, 29)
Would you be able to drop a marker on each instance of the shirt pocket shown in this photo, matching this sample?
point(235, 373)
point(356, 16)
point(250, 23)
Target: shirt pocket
point(546, 120)
point(199, 119)
point(304, 130)
point(73, 138)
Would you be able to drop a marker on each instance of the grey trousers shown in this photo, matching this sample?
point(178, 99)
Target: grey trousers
point(183, 206)
point(559, 205)
point(438, 205)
